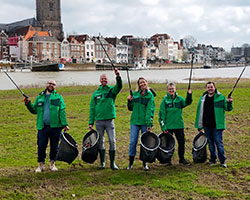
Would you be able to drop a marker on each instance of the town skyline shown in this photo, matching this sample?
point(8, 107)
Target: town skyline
point(222, 24)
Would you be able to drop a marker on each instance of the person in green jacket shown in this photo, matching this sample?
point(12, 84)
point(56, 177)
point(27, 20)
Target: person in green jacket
point(49, 107)
point(102, 112)
point(211, 116)
point(142, 105)
point(171, 119)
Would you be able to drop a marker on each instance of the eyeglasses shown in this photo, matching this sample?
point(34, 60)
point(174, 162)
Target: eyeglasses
point(52, 84)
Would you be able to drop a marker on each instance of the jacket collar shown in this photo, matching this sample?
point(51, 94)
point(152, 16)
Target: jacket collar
point(169, 96)
point(103, 87)
point(216, 92)
point(44, 92)
point(146, 92)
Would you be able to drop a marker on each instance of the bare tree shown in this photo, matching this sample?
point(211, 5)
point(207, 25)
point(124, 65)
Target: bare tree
point(245, 45)
point(189, 42)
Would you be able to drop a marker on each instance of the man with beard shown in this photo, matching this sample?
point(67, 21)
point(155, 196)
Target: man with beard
point(49, 107)
point(102, 112)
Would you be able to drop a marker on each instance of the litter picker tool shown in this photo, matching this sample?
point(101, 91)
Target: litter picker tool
point(230, 94)
point(130, 90)
point(15, 84)
point(192, 65)
point(129, 84)
point(106, 52)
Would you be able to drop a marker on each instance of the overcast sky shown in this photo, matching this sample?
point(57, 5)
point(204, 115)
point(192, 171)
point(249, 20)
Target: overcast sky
point(221, 23)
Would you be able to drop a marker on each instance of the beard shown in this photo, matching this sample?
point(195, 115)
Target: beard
point(50, 89)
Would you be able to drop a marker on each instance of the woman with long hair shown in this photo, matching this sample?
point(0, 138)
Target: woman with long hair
point(142, 105)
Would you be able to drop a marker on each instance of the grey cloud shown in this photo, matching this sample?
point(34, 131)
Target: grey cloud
point(210, 22)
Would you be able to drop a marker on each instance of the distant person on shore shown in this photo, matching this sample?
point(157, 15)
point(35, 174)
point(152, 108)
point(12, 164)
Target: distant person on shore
point(102, 112)
point(210, 116)
point(142, 105)
point(171, 119)
point(49, 107)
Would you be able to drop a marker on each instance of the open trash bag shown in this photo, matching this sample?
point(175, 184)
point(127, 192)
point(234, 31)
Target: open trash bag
point(199, 150)
point(67, 150)
point(149, 144)
point(166, 149)
point(90, 144)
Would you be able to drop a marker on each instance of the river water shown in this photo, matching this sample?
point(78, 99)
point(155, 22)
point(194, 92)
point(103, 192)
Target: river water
point(63, 78)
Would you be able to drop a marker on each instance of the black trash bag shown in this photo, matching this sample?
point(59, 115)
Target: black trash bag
point(166, 149)
point(199, 150)
point(90, 145)
point(67, 150)
point(149, 144)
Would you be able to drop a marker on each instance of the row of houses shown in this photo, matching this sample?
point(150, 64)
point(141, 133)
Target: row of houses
point(31, 44)
point(241, 53)
point(127, 49)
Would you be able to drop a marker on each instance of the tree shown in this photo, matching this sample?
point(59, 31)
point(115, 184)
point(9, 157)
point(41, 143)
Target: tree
point(189, 42)
point(245, 45)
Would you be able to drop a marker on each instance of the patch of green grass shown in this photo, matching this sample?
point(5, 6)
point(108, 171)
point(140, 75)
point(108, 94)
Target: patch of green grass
point(18, 157)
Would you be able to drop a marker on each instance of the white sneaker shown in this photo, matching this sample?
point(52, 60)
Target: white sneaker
point(130, 167)
point(224, 165)
point(52, 166)
point(39, 168)
point(145, 167)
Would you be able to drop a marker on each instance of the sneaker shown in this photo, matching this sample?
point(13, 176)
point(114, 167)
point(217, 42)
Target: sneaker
point(211, 162)
point(185, 162)
point(145, 167)
point(130, 167)
point(39, 169)
point(224, 165)
point(52, 166)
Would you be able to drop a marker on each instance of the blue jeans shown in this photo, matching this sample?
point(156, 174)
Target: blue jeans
point(134, 134)
point(214, 138)
point(43, 136)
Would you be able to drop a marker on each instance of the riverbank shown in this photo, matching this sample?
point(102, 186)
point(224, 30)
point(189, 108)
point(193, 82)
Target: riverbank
point(85, 181)
point(26, 79)
point(100, 67)
point(92, 66)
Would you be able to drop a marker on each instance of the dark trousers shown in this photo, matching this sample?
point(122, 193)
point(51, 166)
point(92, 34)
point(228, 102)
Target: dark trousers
point(43, 136)
point(180, 136)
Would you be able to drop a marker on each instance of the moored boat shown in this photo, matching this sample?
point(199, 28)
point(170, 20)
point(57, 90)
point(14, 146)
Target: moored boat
point(45, 67)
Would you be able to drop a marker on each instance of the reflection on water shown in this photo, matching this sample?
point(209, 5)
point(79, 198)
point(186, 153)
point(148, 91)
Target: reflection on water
point(27, 78)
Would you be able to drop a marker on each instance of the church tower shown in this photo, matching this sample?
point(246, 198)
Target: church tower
point(48, 13)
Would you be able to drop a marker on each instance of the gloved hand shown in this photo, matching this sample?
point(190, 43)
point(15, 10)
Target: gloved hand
point(26, 101)
point(166, 131)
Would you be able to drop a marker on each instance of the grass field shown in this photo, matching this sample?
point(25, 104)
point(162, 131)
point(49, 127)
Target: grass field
point(18, 157)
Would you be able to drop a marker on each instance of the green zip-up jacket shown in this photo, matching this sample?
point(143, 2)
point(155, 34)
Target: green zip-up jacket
point(170, 114)
point(57, 110)
point(143, 108)
point(220, 106)
point(102, 104)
